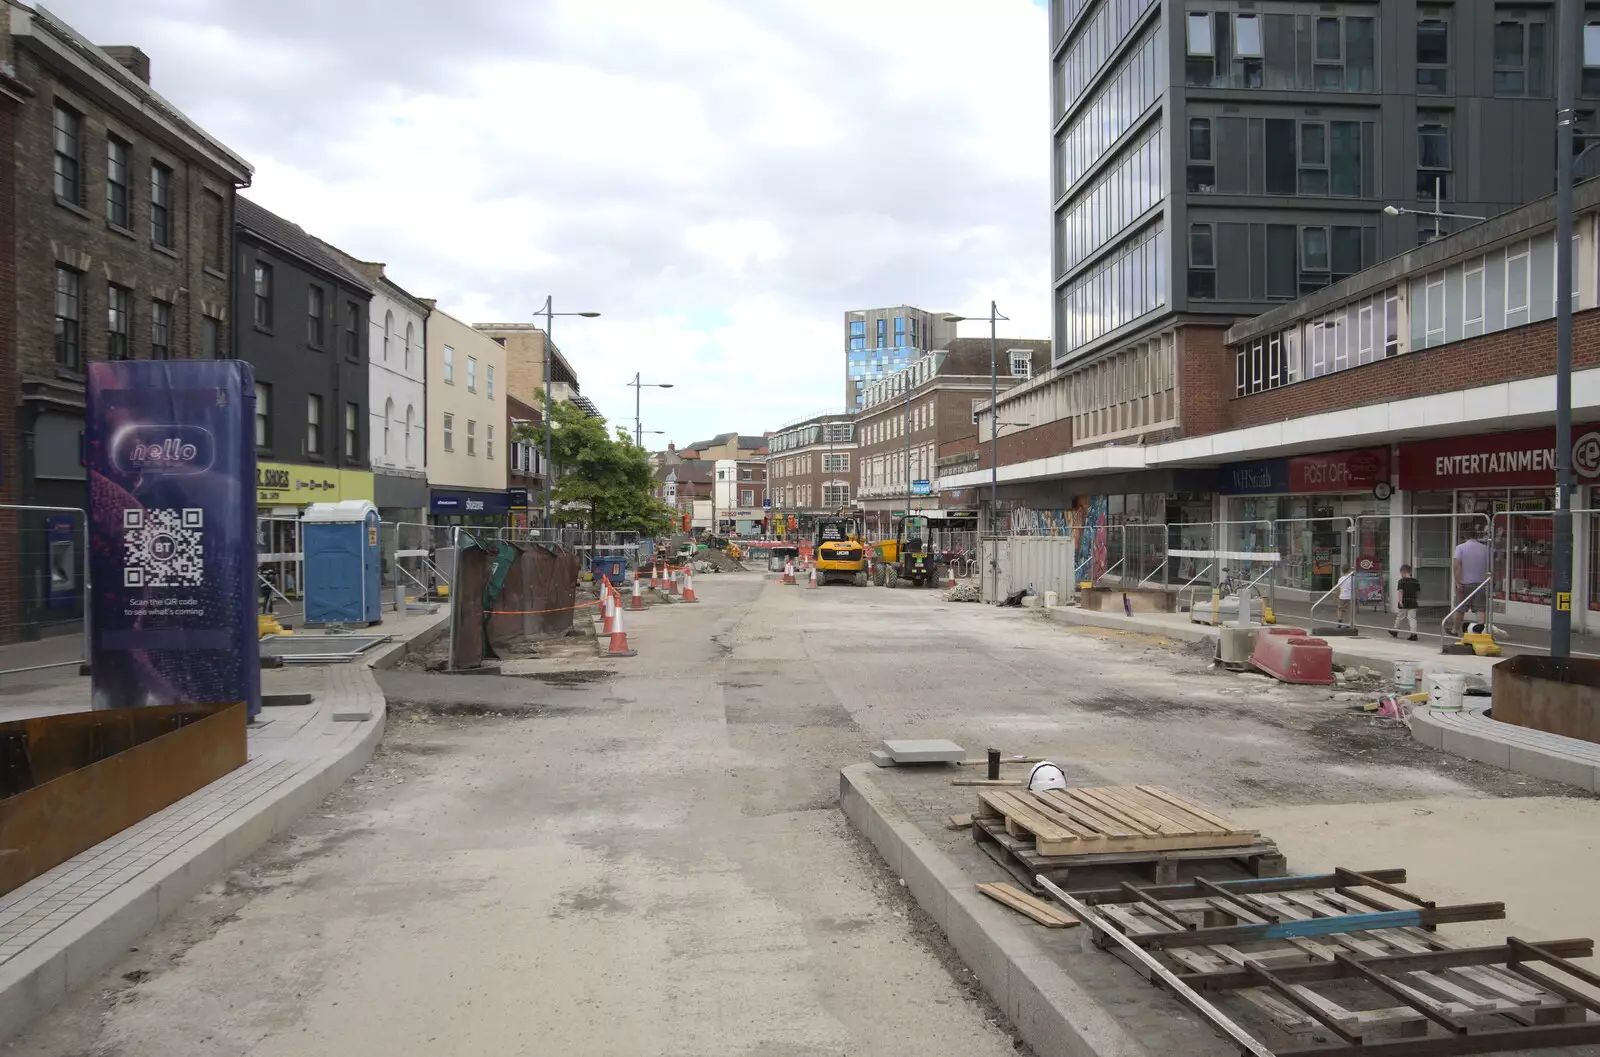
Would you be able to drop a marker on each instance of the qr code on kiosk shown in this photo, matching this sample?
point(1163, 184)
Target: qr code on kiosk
point(162, 548)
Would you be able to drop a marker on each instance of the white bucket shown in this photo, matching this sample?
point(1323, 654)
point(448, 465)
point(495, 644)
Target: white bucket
point(1050, 598)
point(1446, 689)
point(1405, 676)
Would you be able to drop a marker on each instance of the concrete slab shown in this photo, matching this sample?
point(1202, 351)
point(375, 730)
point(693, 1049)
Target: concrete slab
point(925, 750)
point(881, 758)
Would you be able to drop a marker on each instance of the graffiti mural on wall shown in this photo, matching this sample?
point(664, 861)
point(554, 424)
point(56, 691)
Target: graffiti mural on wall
point(1091, 513)
point(1026, 521)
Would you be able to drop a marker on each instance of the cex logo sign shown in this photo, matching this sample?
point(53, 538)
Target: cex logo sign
point(166, 449)
point(1586, 455)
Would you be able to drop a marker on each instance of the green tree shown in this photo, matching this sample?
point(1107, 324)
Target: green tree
point(603, 481)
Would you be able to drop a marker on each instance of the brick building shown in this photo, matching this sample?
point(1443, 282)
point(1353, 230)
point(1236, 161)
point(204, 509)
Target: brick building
point(123, 210)
point(910, 418)
point(1372, 423)
point(13, 94)
point(811, 470)
point(525, 478)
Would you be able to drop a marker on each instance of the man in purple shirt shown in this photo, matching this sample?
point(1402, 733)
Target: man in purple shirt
point(1471, 566)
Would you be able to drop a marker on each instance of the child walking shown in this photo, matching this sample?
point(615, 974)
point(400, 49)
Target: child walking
point(1408, 588)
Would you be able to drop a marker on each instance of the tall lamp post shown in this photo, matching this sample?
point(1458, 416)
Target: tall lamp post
point(549, 313)
point(638, 388)
point(1567, 32)
point(994, 435)
point(1437, 212)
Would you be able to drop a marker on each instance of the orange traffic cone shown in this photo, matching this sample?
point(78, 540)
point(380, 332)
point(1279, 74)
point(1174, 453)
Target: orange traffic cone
point(655, 575)
point(619, 637)
point(952, 569)
point(788, 572)
point(688, 587)
point(672, 581)
point(638, 599)
point(811, 581)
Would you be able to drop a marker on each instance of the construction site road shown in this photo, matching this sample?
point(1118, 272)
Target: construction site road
point(645, 856)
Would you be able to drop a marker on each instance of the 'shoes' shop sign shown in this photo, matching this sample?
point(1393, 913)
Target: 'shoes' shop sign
point(1344, 471)
point(1526, 459)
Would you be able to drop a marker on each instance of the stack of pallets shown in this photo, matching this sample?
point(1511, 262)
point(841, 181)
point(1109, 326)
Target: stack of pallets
point(1033, 834)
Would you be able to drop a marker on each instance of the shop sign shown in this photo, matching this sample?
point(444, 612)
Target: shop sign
point(1345, 471)
point(290, 484)
point(1526, 458)
point(517, 498)
point(470, 503)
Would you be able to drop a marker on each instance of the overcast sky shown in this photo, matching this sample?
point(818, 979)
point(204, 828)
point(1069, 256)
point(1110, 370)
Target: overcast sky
point(721, 178)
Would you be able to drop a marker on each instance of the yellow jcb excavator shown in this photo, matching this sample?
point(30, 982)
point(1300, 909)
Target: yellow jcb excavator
point(840, 554)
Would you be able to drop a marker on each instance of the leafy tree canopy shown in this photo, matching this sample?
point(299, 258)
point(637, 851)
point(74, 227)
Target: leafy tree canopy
point(603, 479)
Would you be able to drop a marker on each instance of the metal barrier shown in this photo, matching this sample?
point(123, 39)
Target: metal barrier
point(1525, 553)
point(53, 552)
point(280, 564)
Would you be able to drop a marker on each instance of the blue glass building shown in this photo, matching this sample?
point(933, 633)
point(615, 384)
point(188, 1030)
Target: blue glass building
point(880, 341)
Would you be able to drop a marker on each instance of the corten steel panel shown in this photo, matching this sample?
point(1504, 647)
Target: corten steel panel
point(1559, 697)
point(473, 566)
point(95, 774)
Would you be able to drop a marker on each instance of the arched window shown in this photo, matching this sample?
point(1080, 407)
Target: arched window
point(388, 416)
point(388, 325)
point(410, 414)
point(408, 346)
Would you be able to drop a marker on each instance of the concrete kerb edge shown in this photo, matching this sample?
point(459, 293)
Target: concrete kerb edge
point(391, 657)
point(42, 977)
point(1047, 1007)
point(1532, 760)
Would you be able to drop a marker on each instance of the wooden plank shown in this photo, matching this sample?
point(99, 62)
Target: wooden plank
point(1046, 914)
point(1069, 820)
point(1169, 819)
point(1003, 761)
point(1096, 801)
point(1048, 837)
point(1013, 782)
point(959, 821)
point(1189, 806)
point(1149, 817)
point(1081, 813)
point(1188, 820)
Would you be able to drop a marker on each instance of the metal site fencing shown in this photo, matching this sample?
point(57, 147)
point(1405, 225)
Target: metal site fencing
point(47, 603)
point(1304, 567)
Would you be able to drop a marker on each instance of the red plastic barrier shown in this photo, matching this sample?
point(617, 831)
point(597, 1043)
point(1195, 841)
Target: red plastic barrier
point(1291, 656)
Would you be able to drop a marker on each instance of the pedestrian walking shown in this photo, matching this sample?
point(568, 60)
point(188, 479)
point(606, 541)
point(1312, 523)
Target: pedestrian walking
point(1408, 589)
point(1470, 565)
point(1344, 597)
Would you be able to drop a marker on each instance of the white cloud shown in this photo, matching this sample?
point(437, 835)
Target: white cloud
point(722, 179)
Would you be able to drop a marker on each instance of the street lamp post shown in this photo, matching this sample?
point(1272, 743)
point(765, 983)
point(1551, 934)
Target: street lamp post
point(1437, 212)
point(994, 435)
point(638, 388)
point(550, 314)
point(1567, 32)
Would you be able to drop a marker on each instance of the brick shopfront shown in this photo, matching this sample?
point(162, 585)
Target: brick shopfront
point(1504, 485)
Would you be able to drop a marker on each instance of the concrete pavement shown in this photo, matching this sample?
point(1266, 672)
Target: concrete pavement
point(63, 928)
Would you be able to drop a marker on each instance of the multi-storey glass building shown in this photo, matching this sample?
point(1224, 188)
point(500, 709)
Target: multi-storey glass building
point(880, 341)
point(1212, 157)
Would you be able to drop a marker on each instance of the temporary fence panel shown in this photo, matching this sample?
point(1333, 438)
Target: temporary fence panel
point(53, 583)
point(280, 565)
point(1045, 562)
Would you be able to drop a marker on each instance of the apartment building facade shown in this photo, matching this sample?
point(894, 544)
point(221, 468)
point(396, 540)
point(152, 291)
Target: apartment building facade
point(811, 470)
point(526, 347)
point(467, 476)
point(880, 341)
point(739, 496)
point(1212, 157)
point(525, 479)
point(122, 207)
point(13, 94)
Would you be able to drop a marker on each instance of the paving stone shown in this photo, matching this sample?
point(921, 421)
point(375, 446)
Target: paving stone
point(881, 758)
point(932, 750)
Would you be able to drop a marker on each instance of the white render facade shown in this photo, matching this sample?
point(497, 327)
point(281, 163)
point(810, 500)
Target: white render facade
point(397, 383)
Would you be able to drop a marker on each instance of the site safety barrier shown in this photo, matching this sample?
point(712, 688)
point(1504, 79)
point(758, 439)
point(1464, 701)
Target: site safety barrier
point(51, 600)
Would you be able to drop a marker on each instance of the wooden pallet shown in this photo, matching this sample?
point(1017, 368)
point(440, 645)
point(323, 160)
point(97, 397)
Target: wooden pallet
point(1313, 953)
point(1138, 818)
point(1018, 856)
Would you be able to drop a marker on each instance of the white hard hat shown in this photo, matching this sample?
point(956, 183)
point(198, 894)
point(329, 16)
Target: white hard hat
point(1045, 776)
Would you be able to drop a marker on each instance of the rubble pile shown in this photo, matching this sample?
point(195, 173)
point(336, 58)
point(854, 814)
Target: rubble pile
point(963, 593)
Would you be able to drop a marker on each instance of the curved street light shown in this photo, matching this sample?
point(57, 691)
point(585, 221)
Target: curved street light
point(638, 388)
point(549, 313)
point(993, 317)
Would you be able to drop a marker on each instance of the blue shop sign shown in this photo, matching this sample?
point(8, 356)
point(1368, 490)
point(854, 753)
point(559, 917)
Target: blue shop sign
point(469, 503)
point(1262, 477)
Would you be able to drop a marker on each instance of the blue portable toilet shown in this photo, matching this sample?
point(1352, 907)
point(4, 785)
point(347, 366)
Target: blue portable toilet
point(343, 563)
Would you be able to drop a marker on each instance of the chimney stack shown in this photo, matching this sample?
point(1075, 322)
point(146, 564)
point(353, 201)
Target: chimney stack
point(132, 59)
